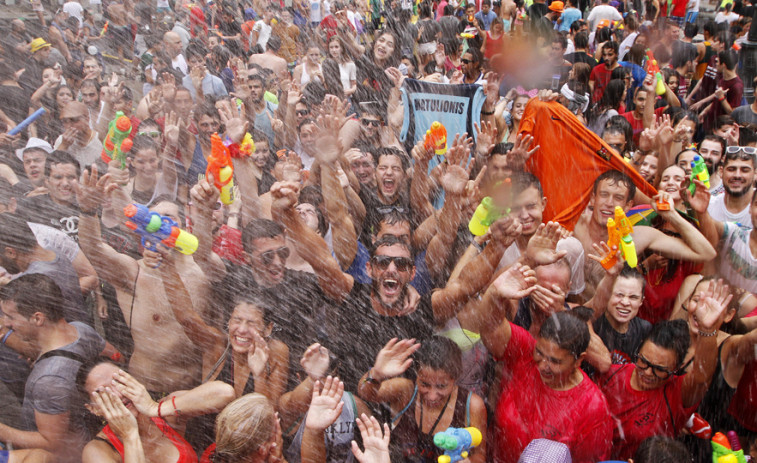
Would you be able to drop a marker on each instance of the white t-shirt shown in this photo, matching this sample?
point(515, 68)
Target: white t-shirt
point(575, 256)
point(181, 64)
point(626, 45)
point(264, 33)
point(347, 73)
point(718, 211)
point(74, 9)
point(87, 154)
point(315, 11)
point(737, 264)
point(55, 240)
point(729, 18)
point(600, 12)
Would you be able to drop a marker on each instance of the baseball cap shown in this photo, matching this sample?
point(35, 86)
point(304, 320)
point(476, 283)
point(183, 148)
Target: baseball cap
point(38, 44)
point(34, 143)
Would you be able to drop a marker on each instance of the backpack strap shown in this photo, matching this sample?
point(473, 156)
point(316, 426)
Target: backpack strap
point(61, 353)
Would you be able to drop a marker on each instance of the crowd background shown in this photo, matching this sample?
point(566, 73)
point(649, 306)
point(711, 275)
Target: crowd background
point(364, 285)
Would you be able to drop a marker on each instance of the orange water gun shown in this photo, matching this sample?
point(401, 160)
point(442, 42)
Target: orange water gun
point(654, 69)
point(619, 232)
point(436, 138)
point(220, 166)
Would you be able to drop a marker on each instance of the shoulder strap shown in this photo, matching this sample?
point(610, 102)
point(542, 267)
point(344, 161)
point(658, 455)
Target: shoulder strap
point(467, 409)
point(399, 415)
point(218, 363)
point(61, 353)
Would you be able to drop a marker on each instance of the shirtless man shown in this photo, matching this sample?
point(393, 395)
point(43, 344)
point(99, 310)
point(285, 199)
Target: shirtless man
point(159, 340)
point(613, 188)
point(270, 59)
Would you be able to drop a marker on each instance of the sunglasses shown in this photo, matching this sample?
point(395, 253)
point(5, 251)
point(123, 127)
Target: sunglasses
point(152, 134)
point(751, 150)
point(403, 264)
point(303, 112)
point(368, 122)
point(267, 257)
point(465, 61)
point(658, 371)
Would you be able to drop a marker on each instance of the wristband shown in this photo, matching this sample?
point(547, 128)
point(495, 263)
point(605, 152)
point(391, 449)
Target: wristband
point(159, 405)
point(487, 113)
point(721, 98)
point(177, 412)
point(704, 334)
point(5, 336)
point(116, 357)
point(370, 379)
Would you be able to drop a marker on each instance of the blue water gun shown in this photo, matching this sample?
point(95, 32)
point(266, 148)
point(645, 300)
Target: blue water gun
point(457, 443)
point(154, 228)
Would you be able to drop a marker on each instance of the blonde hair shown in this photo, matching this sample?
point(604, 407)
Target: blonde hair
point(242, 427)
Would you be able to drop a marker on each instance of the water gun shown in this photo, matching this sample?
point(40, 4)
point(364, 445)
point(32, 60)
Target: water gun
point(219, 164)
point(105, 29)
point(247, 147)
point(155, 228)
point(117, 142)
point(26, 122)
point(699, 172)
point(457, 443)
point(436, 138)
point(727, 450)
point(619, 232)
point(653, 68)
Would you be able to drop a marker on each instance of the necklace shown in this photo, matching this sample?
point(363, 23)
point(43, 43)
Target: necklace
point(438, 418)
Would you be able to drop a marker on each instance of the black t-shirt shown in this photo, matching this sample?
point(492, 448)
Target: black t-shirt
point(622, 346)
point(358, 332)
point(15, 102)
point(42, 209)
point(581, 57)
point(375, 210)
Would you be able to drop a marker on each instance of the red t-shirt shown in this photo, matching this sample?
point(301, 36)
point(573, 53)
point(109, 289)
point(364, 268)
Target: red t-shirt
point(641, 414)
point(743, 405)
point(638, 124)
point(528, 409)
point(600, 75)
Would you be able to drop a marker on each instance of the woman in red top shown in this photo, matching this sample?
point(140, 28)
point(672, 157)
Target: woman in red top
point(140, 429)
point(545, 394)
point(494, 39)
point(649, 397)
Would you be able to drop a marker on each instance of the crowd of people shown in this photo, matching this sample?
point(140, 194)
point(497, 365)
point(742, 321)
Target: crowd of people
point(226, 235)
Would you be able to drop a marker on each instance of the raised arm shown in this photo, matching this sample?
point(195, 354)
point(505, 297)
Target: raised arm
point(738, 351)
point(325, 407)
point(692, 246)
point(710, 308)
point(204, 197)
point(335, 284)
point(700, 201)
point(598, 302)
point(383, 383)
point(420, 184)
point(292, 405)
point(117, 269)
point(124, 426)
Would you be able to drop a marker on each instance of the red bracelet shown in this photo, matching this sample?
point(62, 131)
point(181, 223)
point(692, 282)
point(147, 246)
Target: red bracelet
point(159, 405)
point(177, 412)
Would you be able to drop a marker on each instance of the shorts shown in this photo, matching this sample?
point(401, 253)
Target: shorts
point(428, 48)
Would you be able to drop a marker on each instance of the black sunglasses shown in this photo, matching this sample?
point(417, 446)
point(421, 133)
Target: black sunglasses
point(660, 372)
point(465, 61)
point(403, 264)
point(267, 257)
point(367, 122)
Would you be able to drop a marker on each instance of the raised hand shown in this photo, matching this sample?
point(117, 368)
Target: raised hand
point(376, 444)
point(485, 136)
point(284, 195)
point(422, 155)
point(700, 201)
point(133, 390)
point(505, 230)
point(172, 128)
point(91, 191)
point(326, 404)
point(395, 75)
point(236, 125)
point(711, 305)
point(258, 355)
point(548, 300)
point(665, 133)
point(601, 250)
point(541, 248)
point(121, 420)
point(521, 151)
point(204, 194)
point(664, 197)
point(516, 282)
point(315, 361)
point(394, 359)
point(457, 171)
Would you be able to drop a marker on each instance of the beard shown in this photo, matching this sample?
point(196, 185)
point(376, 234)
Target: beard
point(737, 193)
point(396, 305)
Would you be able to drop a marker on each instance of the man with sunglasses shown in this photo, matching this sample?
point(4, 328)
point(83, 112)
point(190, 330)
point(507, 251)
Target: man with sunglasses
point(736, 243)
point(366, 315)
point(734, 204)
point(78, 138)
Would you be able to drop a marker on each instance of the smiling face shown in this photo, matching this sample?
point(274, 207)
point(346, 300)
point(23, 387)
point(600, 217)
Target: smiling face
point(268, 260)
point(528, 207)
point(519, 106)
point(685, 159)
point(648, 167)
point(245, 322)
point(609, 194)
point(365, 170)
point(61, 182)
point(671, 182)
point(262, 153)
point(384, 48)
point(145, 162)
point(390, 177)
point(98, 379)
point(625, 301)
point(391, 269)
point(654, 366)
point(434, 386)
point(738, 177)
point(712, 153)
point(555, 364)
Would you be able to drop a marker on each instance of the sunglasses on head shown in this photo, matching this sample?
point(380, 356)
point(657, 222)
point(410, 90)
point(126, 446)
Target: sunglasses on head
point(403, 264)
point(267, 257)
point(750, 150)
point(367, 122)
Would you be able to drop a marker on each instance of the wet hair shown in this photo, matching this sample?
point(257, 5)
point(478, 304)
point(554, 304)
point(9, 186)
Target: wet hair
point(312, 194)
point(242, 427)
point(667, 73)
point(729, 58)
point(395, 59)
point(440, 353)
point(394, 217)
point(260, 228)
point(747, 136)
point(661, 449)
point(581, 40)
point(390, 240)
point(615, 177)
point(613, 94)
point(717, 139)
point(559, 39)
point(581, 72)
point(16, 234)
point(635, 54)
point(522, 180)
point(690, 30)
point(632, 274)
point(195, 50)
point(671, 335)
point(392, 151)
point(567, 331)
point(739, 155)
point(35, 292)
point(610, 45)
point(502, 148)
point(83, 373)
point(206, 109)
point(61, 157)
point(476, 54)
point(143, 142)
point(619, 124)
point(91, 83)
